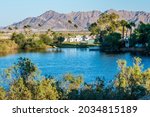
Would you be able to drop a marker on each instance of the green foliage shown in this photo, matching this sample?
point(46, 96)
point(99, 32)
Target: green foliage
point(59, 39)
point(26, 70)
point(46, 39)
point(94, 29)
point(112, 42)
point(31, 44)
point(18, 91)
point(46, 90)
point(141, 35)
point(7, 46)
point(130, 82)
point(2, 94)
point(106, 23)
point(70, 84)
point(95, 91)
point(18, 38)
point(124, 24)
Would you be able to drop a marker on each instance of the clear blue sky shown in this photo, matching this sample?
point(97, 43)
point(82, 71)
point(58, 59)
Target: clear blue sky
point(15, 10)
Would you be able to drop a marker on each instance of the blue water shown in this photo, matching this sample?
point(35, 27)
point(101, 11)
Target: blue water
point(89, 64)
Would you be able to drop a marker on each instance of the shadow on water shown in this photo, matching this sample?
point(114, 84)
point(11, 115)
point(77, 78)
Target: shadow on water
point(141, 54)
point(2, 54)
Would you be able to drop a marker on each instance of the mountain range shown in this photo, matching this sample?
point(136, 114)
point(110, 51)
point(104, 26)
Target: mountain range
point(59, 21)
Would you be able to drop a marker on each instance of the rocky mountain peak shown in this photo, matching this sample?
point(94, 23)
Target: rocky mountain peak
point(59, 21)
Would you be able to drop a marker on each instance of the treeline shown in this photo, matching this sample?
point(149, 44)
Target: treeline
point(26, 83)
point(114, 34)
point(20, 41)
point(35, 42)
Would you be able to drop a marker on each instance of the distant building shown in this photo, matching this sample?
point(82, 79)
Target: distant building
point(80, 38)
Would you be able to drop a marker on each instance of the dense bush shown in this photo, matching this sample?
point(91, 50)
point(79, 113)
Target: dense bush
point(46, 90)
point(31, 44)
point(7, 46)
point(18, 38)
point(59, 39)
point(141, 35)
point(18, 91)
point(46, 39)
point(131, 82)
point(112, 42)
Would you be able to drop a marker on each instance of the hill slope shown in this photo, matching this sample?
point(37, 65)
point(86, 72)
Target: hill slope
point(59, 21)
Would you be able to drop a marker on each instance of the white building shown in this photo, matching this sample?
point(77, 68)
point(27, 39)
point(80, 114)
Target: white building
point(79, 38)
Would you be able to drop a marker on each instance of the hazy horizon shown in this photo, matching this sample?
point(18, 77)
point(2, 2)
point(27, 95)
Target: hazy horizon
point(16, 10)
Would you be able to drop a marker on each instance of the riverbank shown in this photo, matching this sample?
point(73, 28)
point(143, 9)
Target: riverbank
point(76, 45)
point(142, 51)
point(7, 46)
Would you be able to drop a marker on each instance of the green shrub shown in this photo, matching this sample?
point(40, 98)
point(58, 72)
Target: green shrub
point(2, 93)
point(18, 91)
point(46, 39)
point(31, 44)
point(18, 38)
point(46, 90)
point(7, 46)
point(112, 42)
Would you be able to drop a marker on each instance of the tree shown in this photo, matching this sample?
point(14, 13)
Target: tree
point(106, 24)
point(18, 91)
point(60, 39)
point(93, 28)
point(132, 24)
point(18, 38)
point(123, 24)
point(111, 42)
point(130, 81)
point(46, 90)
point(70, 86)
point(26, 70)
point(46, 39)
point(141, 35)
point(128, 27)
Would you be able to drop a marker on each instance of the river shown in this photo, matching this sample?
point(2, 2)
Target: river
point(89, 64)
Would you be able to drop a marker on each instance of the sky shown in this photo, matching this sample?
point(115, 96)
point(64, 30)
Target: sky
point(12, 11)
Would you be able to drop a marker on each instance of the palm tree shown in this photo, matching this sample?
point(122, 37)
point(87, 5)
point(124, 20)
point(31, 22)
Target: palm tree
point(128, 26)
point(132, 24)
point(123, 24)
